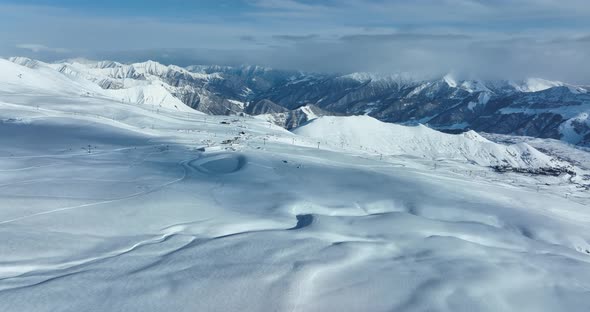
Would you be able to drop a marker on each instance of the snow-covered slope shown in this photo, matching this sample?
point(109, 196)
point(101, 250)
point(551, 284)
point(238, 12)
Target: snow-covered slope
point(420, 141)
point(107, 205)
point(86, 79)
point(35, 76)
point(576, 130)
point(152, 94)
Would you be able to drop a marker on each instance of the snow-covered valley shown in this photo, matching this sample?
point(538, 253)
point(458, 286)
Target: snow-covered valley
point(129, 200)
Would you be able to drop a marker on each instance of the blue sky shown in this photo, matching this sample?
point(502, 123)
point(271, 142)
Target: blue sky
point(154, 8)
point(511, 38)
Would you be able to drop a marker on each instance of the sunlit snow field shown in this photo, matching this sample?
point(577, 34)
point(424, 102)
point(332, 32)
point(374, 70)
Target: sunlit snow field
point(108, 205)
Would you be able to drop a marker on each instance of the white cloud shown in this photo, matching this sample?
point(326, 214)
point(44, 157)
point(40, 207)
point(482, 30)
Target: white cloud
point(499, 38)
point(36, 48)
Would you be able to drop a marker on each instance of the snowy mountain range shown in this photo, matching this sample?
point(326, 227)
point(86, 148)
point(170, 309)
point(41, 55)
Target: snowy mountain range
point(533, 107)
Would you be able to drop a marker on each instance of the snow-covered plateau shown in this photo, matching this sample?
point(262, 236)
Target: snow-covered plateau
point(126, 199)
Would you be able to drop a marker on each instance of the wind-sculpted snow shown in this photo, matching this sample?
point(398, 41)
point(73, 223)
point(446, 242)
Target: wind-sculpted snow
point(219, 164)
point(107, 205)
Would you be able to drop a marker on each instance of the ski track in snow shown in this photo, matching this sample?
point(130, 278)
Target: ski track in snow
point(154, 189)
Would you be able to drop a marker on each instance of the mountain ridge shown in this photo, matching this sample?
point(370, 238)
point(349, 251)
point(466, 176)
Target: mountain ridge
point(533, 107)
